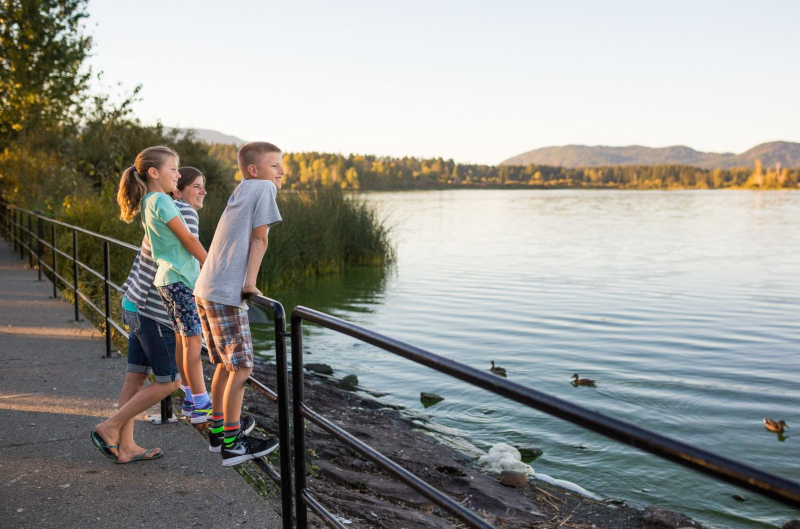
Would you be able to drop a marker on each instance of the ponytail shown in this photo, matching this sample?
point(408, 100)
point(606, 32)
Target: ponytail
point(132, 188)
point(133, 183)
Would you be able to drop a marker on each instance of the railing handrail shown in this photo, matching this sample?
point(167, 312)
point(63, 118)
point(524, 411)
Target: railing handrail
point(72, 227)
point(714, 465)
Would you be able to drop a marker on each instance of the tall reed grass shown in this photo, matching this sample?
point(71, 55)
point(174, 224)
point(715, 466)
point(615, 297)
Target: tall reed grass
point(322, 232)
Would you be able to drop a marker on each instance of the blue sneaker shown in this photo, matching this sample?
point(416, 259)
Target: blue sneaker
point(201, 415)
point(186, 409)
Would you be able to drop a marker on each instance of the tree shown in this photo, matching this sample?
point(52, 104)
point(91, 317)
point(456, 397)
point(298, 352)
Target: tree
point(42, 77)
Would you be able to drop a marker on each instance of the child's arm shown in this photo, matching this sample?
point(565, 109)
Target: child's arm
point(189, 241)
point(258, 247)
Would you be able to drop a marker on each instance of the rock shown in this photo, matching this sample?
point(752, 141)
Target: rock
point(323, 369)
point(528, 452)
point(791, 524)
point(348, 383)
point(738, 497)
point(510, 478)
point(392, 491)
point(664, 519)
point(429, 399)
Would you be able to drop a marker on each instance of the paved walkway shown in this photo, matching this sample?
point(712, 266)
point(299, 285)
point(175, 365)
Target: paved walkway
point(55, 385)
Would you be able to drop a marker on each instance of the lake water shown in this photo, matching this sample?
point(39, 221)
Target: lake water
point(682, 305)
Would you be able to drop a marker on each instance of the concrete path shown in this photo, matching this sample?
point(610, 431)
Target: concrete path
point(55, 385)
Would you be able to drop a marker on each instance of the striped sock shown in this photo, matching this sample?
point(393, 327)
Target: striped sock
point(201, 401)
point(232, 430)
point(187, 391)
point(217, 420)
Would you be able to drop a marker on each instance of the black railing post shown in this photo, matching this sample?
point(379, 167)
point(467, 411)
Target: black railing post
point(283, 414)
point(75, 271)
point(166, 409)
point(19, 238)
point(39, 234)
point(55, 270)
point(107, 292)
point(299, 423)
point(11, 234)
point(30, 241)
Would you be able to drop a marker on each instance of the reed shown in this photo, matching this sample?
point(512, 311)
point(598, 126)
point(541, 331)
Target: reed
point(322, 232)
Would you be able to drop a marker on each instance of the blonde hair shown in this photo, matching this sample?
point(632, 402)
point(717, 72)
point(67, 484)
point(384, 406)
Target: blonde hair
point(252, 153)
point(133, 183)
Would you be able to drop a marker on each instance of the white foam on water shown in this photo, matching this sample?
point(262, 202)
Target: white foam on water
point(503, 456)
point(568, 485)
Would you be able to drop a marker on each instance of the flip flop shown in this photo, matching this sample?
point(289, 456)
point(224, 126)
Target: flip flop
point(142, 457)
point(102, 446)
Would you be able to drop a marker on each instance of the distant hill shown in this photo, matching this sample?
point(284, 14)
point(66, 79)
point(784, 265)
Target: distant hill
point(209, 136)
point(783, 152)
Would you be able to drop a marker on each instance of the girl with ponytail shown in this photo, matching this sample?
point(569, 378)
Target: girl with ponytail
point(151, 348)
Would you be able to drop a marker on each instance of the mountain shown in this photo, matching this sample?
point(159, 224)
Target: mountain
point(783, 152)
point(208, 135)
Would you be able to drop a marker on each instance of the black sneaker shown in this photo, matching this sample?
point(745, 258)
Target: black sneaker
point(216, 440)
point(246, 448)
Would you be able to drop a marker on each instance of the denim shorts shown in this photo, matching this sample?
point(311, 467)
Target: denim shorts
point(151, 348)
point(182, 310)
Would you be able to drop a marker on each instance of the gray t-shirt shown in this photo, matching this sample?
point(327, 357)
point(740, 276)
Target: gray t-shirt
point(251, 205)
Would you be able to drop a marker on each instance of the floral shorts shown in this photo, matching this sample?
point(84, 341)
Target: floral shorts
point(181, 308)
point(227, 333)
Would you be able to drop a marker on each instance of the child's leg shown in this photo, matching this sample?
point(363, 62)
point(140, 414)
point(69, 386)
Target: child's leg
point(180, 360)
point(151, 345)
point(110, 430)
point(132, 385)
point(182, 308)
point(218, 388)
point(193, 364)
point(234, 394)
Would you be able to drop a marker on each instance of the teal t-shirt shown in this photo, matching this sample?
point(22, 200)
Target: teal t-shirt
point(129, 305)
point(175, 263)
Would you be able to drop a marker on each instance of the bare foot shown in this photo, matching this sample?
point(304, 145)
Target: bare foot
point(110, 437)
point(126, 453)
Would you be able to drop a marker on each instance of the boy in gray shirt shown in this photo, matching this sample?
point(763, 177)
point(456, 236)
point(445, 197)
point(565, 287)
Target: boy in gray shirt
point(239, 245)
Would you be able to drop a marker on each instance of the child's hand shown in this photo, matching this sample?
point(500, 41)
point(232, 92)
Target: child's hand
point(251, 290)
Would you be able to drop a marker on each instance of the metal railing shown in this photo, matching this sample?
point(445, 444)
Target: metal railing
point(13, 225)
point(281, 398)
point(23, 239)
point(716, 466)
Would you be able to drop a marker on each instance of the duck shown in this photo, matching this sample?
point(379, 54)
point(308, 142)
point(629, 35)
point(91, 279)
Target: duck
point(497, 370)
point(577, 381)
point(775, 426)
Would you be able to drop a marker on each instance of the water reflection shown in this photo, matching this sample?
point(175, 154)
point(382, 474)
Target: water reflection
point(354, 291)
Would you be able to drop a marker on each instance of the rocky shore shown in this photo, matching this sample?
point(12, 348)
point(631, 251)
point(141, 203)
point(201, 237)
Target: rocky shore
point(362, 496)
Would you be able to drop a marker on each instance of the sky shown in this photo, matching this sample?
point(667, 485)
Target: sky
point(478, 82)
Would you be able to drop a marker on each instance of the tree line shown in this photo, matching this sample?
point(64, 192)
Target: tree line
point(313, 170)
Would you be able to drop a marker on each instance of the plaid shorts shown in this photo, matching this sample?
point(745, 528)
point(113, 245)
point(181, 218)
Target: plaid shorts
point(227, 333)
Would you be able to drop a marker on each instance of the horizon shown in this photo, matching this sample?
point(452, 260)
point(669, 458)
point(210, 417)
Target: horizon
point(462, 81)
point(356, 153)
